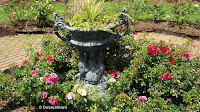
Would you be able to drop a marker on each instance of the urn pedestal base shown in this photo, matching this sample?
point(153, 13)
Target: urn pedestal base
point(91, 69)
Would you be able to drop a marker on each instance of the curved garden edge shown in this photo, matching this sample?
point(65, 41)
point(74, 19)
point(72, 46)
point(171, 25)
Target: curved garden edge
point(187, 29)
point(169, 32)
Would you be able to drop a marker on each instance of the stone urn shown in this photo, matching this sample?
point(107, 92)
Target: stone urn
point(90, 43)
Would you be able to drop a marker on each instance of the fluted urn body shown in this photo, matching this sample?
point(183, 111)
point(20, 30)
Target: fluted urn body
point(90, 44)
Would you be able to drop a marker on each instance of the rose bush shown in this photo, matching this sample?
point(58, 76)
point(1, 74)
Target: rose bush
point(143, 76)
point(19, 10)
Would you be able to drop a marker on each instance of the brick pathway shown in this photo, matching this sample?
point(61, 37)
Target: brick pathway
point(13, 48)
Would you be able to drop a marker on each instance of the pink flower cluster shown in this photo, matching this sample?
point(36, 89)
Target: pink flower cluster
point(153, 50)
point(50, 58)
point(52, 100)
point(81, 91)
point(43, 95)
point(70, 96)
point(188, 56)
point(158, 86)
point(39, 54)
point(165, 76)
point(171, 60)
point(35, 72)
point(22, 63)
point(144, 98)
point(12, 15)
point(114, 73)
point(50, 78)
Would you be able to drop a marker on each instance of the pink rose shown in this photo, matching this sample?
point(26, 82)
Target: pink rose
point(39, 53)
point(165, 76)
point(11, 16)
point(144, 98)
point(170, 62)
point(76, 86)
point(70, 96)
point(43, 95)
point(114, 73)
point(52, 100)
point(189, 56)
point(152, 49)
point(46, 75)
point(55, 79)
point(50, 58)
point(25, 61)
point(109, 72)
point(53, 75)
point(49, 80)
point(21, 65)
point(168, 52)
point(163, 49)
point(81, 91)
point(37, 70)
point(32, 72)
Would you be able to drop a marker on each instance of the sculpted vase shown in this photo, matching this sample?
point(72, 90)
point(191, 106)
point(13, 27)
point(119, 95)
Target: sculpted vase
point(90, 43)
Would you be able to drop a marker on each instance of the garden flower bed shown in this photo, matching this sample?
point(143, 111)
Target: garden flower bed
point(151, 74)
point(143, 75)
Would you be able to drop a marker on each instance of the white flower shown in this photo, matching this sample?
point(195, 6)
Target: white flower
point(81, 91)
point(196, 5)
point(70, 96)
point(111, 80)
point(76, 86)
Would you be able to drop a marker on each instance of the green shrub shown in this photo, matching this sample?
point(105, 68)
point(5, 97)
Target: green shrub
point(165, 74)
point(18, 10)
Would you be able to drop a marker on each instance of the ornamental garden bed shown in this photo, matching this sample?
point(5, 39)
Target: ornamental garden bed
point(143, 75)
